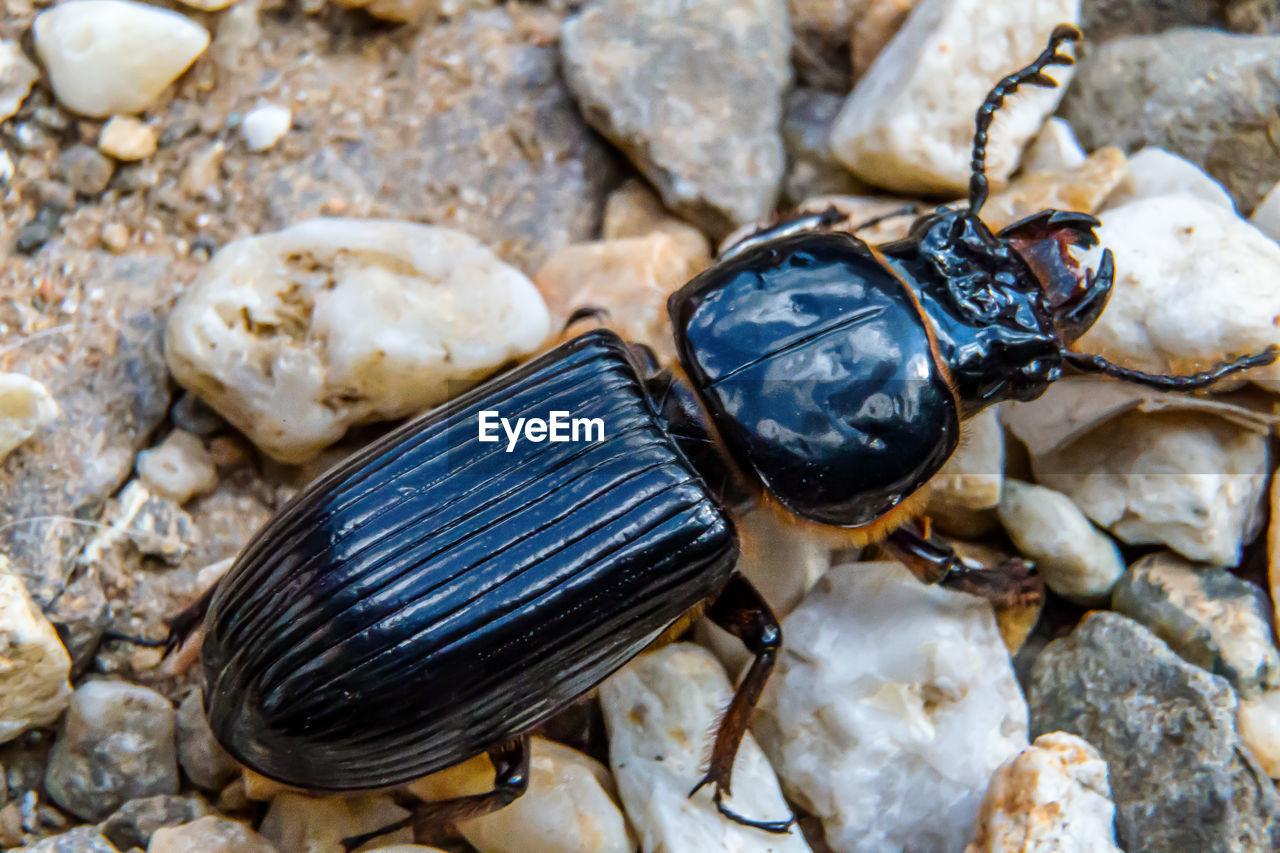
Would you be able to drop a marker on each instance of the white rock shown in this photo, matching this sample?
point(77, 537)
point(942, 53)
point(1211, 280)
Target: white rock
point(296, 823)
point(25, 406)
point(295, 336)
point(1054, 149)
point(17, 75)
point(782, 561)
point(179, 468)
point(1188, 480)
point(1077, 561)
point(108, 57)
point(570, 806)
point(973, 476)
point(1258, 722)
point(1154, 172)
point(264, 126)
point(210, 834)
point(1195, 285)
point(33, 663)
point(1053, 797)
point(126, 138)
point(661, 711)
point(1266, 216)
point(908, 124)
point(892, 705)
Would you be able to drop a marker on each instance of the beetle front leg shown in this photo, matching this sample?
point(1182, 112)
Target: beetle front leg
point(510, 781)
point(741, 611)
point(1012, 582)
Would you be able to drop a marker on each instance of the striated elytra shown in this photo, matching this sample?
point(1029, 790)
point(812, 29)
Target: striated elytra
point(437, 596)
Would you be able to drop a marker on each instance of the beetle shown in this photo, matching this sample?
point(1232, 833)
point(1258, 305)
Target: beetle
point(436, 596)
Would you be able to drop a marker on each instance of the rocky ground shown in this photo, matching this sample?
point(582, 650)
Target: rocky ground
point(183, 344)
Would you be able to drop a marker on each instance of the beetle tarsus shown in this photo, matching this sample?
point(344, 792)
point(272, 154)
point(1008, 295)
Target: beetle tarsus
point(1012, 582)
point(355, 842)
point(740, 610)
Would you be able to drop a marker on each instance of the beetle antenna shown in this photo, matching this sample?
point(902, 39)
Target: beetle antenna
point(1086, 363)
point(1032, 75)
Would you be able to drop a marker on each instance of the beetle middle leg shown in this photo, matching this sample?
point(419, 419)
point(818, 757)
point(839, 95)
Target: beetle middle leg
point(741, 611)
point(510, 781)
point(1010, 583)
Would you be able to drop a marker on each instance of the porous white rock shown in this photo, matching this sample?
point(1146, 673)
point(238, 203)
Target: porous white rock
point(127, 138)
point(908, 125)
point(179, 468)
point(570, 805)
point(661, 711)
point(209, 834)
point(892, 705)
point(1154, 172)
point(1194, 285)
point(295, 336)
point(33, 663)
point(17, 75)
point(973, 476)
point(1053, 797)
point(25, 406)
point(1185, 479)
point(782, 561)
point(1054, 149)
point(108, 57)
point(1077, 561)
point(1258, 723)
point(264, 126)
point(297, 823)
point(1266, 216)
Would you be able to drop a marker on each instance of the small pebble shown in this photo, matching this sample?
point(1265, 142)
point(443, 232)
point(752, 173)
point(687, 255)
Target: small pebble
point(33, 679)
point(116, 744)
point(908, 124)
point(25, 406)
point(200, 178)
point(1054, 149)
point(82, 839)
point(661, 711)
point(296, 823)
point(1053, 797)
point(264, 126)
point(179, 468)
point(108, 57)
point(115, 237)
point(1207, 615)
point(202, 758)
point(892, 704)
point(32, 235)
point(1154, 172)
point(134, 823)
point(1258, 722)
point(211, 834)
point(127, 138)
point(17, 75)
point(398, 317)
point(1077, 561)
point(85, 169)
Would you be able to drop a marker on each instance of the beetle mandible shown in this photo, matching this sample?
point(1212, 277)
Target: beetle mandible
point(434, 597)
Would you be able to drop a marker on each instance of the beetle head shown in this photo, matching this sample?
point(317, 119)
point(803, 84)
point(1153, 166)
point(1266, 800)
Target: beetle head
point(1074, 297)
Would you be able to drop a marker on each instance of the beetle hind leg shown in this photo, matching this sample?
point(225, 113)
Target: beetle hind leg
point(1013, 582)
point(510, 781)
point(741, 611)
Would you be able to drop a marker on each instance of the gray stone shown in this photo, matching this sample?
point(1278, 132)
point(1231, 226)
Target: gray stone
point(133, 824)
point(86, 169)
point(1204, 95)
point(1181, 779)
point(692, 93)
point(1206, 614)
point(812, 170)
point(82, 839)
point(203, 759)
point(104, 366)
point(490, 143)
point(116, 744)
point(80, 613)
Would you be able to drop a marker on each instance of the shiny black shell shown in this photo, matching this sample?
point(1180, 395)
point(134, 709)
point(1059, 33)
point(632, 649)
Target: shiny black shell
point(434, 596)
point(814, 359)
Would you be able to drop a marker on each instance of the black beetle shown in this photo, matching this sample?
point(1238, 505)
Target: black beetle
point(437, 596)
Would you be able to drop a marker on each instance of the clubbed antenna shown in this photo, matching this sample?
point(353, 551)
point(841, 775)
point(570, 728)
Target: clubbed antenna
point(1032, 75)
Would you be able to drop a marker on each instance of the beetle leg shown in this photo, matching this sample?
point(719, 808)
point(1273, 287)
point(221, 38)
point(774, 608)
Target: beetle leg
point(741, 611)
point(1010, 583)
point(510, 780)
point(802, 222)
